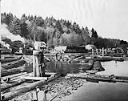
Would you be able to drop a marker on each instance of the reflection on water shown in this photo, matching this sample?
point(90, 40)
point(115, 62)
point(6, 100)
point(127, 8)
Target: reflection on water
point(104, 91)
point(111, 67)
point(65, 67)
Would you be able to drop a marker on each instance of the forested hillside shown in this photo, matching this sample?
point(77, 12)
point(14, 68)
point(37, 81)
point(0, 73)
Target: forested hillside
point(56, 32)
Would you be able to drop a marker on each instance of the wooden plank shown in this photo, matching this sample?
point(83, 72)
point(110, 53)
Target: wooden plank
point(23, 75)
point(49, 73)
point(13, 76)
point(18, 92)
point(34, 78)
point(37, 78)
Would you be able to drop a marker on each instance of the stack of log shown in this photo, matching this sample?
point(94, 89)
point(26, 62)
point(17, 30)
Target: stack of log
point(27, 88)
point(24, 68)
point(14, 64)
point(6, 60)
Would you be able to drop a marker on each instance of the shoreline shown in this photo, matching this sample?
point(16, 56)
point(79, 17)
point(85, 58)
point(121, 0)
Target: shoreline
point(62, 88)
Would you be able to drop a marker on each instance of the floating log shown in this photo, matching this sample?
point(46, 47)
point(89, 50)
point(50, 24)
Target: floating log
point(105, 58)
point(13, 71)
point(24, 75)
point(7, 86)
point(25, 68)
point(100, 58)
point(78, 58)
point(7, 57)
point(11, 77)
point(14, 64)
point(34, 78)
point(93, 77)
point(18, 92)
point(103, 78)
point(10, 59)
point(119, 80)
point(122, 77)
point(118, 58)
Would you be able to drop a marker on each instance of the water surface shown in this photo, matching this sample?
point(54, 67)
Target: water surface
point(104, 91)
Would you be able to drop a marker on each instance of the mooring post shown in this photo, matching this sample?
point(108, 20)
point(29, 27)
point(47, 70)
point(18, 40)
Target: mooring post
point(35, 64)
point(92, 52)
point(102, 51)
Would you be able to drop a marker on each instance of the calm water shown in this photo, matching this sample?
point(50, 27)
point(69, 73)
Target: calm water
point(116, 68)
point(104, 91)
point(111, 67)
point(65, 67)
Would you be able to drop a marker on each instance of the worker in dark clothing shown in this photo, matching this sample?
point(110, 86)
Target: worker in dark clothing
point(38, 60)
point(42, 63)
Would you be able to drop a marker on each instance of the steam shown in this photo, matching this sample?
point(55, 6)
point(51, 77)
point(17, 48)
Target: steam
point(5, 44)
point(5, 33)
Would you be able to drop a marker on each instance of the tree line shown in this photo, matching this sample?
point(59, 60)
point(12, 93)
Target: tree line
point(57, 32)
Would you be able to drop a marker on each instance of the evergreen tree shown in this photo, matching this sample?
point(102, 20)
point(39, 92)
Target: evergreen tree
point(24, 30)
point(14, 27)
point(94, 33)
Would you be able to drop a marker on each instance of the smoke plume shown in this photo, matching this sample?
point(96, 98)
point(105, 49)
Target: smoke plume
point(5, 33)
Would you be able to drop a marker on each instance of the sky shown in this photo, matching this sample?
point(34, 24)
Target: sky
point(108, 17)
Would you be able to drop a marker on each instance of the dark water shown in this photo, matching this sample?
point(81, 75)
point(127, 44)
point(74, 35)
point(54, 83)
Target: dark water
point(104, 91)
point(65, 67)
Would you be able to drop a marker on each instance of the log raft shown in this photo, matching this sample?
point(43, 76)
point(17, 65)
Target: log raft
point(24, 68)
point(15, 64)
point(105, 58)
point(7, 86)
point(10, 59)
point(30, 87)
point(13, 77)
point(13, 71)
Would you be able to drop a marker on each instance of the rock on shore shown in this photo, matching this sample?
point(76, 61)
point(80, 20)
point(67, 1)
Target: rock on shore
point(59, 89)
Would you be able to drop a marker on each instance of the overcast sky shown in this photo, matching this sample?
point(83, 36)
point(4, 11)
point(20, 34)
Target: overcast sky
point(108, 17)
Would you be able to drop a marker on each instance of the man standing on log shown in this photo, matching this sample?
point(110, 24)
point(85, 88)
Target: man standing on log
point(38, 59)
point(41, 62)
